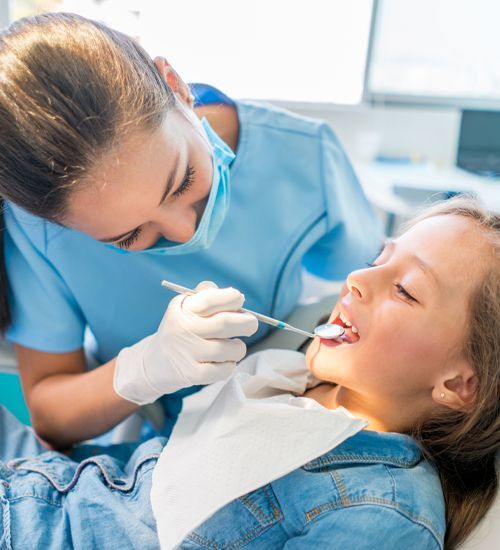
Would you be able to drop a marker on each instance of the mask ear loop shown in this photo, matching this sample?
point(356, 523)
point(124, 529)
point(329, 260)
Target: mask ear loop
point(189, 113)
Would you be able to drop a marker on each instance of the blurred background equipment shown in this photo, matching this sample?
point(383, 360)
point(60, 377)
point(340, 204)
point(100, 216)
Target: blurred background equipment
point(479, 142)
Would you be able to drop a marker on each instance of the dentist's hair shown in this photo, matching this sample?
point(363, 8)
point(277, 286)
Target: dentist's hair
point(70, 90)
point(463, 445)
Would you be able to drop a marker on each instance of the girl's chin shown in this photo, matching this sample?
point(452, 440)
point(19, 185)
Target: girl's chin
point(323, 360)
point(319, 350)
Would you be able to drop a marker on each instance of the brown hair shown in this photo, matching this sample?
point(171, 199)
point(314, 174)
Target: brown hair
point(70, 88)
point(463, 445)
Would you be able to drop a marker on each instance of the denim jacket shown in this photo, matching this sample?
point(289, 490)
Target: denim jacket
point(372, 491)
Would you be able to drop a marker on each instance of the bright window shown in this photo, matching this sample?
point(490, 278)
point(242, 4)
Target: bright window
point(441, 49)
point(289, 50)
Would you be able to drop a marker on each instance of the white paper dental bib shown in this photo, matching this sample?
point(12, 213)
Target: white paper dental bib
point(235, 436)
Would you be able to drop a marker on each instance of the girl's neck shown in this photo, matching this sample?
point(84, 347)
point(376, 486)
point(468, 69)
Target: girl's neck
point(386, 419)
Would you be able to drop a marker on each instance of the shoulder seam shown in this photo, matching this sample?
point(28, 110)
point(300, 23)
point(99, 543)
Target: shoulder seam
point(45, 238)
point(315, 135)
point(25, 225)
point(315, 124)
point(392, 480)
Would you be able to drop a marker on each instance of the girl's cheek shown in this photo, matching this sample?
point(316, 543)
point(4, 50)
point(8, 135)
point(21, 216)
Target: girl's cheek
point(342, 293)
point(311, 353)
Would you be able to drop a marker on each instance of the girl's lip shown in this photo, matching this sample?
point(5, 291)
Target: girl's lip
point(330, 343)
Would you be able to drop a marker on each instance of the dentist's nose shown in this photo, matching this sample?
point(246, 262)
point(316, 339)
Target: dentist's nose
point(177, 226)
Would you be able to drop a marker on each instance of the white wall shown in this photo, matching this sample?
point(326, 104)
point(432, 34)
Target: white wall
point(431, 132)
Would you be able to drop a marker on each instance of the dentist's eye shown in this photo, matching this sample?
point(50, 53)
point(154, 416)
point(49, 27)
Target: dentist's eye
point(186, 183)
point(130, 240)
point(404, 293)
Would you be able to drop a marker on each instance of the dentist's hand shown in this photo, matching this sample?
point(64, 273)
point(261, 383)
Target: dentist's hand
point(193, 345)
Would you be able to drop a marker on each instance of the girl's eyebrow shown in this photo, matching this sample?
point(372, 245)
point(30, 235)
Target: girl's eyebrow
point(426, 268)
point(391, 244)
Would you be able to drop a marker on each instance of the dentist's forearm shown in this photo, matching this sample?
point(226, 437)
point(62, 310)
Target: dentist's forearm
point(69, 408)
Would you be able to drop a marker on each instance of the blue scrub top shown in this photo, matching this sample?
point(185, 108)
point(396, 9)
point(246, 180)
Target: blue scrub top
point(295, 201)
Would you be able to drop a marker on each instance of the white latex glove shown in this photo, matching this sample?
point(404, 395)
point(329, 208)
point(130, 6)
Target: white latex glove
point(192, 345)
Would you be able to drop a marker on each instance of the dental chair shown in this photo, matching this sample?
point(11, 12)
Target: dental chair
point(11, 394)
point(487, 535)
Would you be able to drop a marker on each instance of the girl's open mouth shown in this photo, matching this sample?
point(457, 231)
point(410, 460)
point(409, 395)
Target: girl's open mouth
point(350, 335)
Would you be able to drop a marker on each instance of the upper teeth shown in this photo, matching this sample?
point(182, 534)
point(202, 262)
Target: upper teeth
point(348, 323)
point(344, 320)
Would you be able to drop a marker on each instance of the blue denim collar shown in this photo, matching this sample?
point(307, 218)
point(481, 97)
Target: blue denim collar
point(370, 447)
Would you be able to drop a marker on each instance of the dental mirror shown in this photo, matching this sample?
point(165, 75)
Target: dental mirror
point(329, 331)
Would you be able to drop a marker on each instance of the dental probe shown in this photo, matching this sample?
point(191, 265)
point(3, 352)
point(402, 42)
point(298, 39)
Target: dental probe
point(264, 318)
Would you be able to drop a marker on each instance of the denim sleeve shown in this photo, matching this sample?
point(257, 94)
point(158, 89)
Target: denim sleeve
point(365, 527)
point(354, 234)
point(16, 439)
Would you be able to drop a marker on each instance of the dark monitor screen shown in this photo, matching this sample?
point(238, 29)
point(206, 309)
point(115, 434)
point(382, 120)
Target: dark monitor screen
point(480, 132)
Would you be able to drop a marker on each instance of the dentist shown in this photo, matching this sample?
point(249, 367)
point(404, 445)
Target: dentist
point(113, 178)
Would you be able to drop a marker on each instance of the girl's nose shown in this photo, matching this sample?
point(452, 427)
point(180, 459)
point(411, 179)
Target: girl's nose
point(356, 292)
point(357, 285)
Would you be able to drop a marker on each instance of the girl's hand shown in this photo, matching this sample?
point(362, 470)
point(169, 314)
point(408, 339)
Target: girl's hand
point(193, 345)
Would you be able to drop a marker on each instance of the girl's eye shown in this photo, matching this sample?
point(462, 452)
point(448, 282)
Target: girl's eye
point(403, 292)
point(130, 240)
point(186, 184)
point(381, 251)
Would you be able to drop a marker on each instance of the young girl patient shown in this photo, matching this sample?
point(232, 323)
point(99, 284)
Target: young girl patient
point(420, 363)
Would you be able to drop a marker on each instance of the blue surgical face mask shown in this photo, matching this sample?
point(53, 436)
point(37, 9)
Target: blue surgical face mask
point(215, 209)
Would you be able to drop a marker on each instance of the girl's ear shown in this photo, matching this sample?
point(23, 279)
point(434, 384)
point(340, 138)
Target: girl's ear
point(458, 388)
point(174, 81)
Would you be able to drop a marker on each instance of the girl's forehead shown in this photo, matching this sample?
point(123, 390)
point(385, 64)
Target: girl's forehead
point(438, 232)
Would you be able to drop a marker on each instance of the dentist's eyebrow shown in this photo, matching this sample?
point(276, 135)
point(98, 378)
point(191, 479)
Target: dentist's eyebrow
point(166, 192)
point(170, 180)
